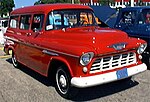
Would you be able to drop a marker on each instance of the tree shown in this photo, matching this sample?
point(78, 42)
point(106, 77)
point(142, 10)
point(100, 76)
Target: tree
point(6, 6)
point(105, 2)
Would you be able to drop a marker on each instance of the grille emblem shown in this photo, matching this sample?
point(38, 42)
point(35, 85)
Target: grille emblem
point(118, 46)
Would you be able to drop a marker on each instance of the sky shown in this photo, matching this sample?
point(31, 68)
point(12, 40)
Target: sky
point(20, 3)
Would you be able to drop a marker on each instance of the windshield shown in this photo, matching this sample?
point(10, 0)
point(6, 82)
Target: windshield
point(70, 18)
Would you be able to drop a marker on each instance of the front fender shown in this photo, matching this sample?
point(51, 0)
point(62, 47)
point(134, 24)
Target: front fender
point(64, 61)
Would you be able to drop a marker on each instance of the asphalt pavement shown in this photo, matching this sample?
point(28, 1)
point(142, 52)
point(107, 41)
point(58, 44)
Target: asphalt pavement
point(25, 85)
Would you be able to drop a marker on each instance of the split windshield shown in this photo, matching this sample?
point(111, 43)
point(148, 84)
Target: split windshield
point(70, 18)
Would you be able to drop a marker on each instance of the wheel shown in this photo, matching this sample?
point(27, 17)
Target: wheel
point(14, 60)
point(63, 83)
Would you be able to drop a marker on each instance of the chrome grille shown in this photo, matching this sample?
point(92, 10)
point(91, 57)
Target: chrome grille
point(112, 62)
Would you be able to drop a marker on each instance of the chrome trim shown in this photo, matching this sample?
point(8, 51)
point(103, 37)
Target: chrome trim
point(10, 31)
point(113, 62)
point(83, 82)
point(118, 46)
point(50, 53)
point(39, 47)
point(64, 53)
point(12, 39)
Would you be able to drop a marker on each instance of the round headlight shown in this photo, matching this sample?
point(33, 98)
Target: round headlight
point(86, 58)
point(141, 48)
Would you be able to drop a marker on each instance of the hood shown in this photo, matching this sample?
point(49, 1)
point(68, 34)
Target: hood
point(95, 39)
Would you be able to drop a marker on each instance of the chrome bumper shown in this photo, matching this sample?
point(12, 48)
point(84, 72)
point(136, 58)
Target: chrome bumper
point(83, 82)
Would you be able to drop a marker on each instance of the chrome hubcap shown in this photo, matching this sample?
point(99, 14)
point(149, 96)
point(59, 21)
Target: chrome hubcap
point(62, 81)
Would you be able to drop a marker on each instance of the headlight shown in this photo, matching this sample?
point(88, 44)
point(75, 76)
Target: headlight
point(86, 58)
point(141, 48)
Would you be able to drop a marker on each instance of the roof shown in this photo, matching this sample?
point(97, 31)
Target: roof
point(46, 8)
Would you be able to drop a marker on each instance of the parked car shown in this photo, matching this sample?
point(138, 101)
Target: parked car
point(63, 41)
point(136, 22)
point(3, 27)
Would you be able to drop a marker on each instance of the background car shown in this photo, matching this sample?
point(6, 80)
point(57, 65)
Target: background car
point(136, 22)
point(3, 27)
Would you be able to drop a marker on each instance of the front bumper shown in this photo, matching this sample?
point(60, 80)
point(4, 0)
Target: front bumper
point(83, 82)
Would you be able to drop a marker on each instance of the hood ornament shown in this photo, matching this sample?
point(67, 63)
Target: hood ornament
point(118, 46)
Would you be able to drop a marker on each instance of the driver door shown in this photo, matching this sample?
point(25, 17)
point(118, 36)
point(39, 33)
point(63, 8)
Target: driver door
point(35, 39)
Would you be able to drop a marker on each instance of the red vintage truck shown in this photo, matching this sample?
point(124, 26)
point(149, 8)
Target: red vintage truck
point(63, 41)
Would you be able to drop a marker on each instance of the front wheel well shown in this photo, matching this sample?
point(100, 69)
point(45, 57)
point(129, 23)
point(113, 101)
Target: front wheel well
point(54, 65)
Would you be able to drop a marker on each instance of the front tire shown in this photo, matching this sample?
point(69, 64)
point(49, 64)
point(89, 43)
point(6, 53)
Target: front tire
point(63, 83)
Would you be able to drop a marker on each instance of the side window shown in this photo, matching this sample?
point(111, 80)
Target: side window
point(37, 22)
point(144, 17)
point(147, 21)
point(13, 21)
point(25, 22)
point(128, 17)
point(49, 22)
point(141, 19)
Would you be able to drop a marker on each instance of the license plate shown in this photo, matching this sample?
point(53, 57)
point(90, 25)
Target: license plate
point(122, 73)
